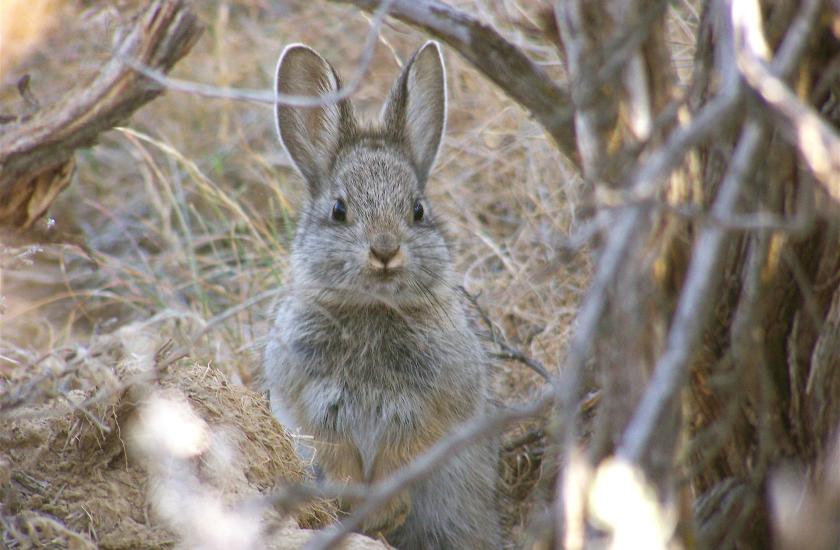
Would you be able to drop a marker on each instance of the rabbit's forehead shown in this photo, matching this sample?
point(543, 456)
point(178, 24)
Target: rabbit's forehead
point(376, 175)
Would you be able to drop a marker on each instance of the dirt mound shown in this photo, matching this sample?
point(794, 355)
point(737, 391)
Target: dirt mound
point(108, 445)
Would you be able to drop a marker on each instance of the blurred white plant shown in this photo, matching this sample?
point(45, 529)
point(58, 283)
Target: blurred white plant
point(622, 502)
point(192, 469)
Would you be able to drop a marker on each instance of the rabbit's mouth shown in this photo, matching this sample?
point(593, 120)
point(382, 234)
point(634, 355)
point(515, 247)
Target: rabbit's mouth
point(385, 286)
point(386, 274)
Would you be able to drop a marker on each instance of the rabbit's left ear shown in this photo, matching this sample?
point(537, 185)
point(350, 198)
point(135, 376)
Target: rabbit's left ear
point(416, 107)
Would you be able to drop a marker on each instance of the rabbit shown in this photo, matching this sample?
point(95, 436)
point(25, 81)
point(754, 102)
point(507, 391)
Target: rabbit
point(372, 352)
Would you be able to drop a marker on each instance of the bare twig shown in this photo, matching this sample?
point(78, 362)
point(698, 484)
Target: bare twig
point(508, 351)
point(512, 353)
point(273, 97)
point(500, 61)
point(816, 140)
point(694, 306)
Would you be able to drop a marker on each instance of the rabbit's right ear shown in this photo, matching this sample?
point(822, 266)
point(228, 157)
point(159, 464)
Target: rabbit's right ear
point(311, 135)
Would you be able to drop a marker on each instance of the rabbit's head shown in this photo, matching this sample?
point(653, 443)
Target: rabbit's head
point(367, 233)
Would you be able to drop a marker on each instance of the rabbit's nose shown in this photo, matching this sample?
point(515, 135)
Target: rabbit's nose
point(384, 247)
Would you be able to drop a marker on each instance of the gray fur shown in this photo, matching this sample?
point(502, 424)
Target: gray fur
point(378, 365)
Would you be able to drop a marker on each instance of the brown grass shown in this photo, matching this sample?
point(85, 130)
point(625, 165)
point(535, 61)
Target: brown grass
point(188, 209)
point(84, 463)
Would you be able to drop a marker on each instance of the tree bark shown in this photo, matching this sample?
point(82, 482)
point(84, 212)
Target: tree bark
point(36, 152)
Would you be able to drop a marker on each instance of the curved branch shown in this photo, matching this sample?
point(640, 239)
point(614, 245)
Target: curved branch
point(422, 466)
point(36, 154)
point(499, 60)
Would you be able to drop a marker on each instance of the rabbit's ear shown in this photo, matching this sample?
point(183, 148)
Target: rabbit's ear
point(311, 135)
point(416, 108)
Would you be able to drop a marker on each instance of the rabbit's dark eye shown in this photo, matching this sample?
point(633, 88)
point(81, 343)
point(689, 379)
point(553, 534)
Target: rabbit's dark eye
point(418, 210)
point(339, 211)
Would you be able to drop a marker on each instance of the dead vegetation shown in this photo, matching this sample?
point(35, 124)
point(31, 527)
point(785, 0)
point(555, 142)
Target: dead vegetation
point(103, 442)
point(184, 214)
point(681, 255)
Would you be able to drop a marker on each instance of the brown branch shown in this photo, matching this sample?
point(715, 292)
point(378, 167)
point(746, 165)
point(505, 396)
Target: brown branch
point(500, 61)
point(694, 307)
point(36, 154)
point(816, 140)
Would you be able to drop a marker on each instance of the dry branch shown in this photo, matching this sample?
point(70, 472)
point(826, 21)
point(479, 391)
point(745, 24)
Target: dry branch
point(499, 60)
point(641, 185)
point(818, 143)
point(694, 307)
point(36, 154)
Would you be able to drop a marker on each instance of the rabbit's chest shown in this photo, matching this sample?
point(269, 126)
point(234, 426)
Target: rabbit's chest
point(373, 362)
point(365, 433)
point(366, 417)
point(384, 398)
point(374, 397)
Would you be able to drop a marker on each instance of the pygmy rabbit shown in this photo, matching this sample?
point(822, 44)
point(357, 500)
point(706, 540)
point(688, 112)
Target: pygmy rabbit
point(372, 353)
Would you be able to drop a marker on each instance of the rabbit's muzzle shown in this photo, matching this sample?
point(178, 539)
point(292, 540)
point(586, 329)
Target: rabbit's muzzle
point(386, 255)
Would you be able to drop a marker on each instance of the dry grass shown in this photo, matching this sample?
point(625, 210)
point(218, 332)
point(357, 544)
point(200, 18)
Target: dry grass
point(187, 210)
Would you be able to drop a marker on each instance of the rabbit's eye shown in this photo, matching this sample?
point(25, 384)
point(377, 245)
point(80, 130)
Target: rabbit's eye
point(418, 210)
point(339, 211)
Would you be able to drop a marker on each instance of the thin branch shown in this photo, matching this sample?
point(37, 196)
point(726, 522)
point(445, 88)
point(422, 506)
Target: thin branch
point(816, 140)
point(509, 351)
point(500, 61)
point(291, 496)
point(694, 307)
point(797, 224)
point(272, 97)
point(512, 353)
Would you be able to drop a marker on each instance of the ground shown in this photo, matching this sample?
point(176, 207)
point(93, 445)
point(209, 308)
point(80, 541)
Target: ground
point(177, 224)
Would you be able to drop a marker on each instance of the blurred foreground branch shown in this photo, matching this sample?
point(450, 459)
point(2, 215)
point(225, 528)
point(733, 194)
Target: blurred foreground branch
point(500, 61)
point(694, 307)
point(36, 153)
